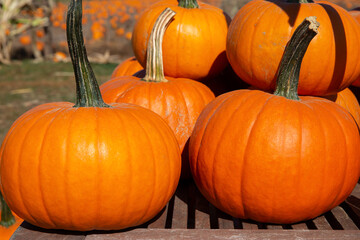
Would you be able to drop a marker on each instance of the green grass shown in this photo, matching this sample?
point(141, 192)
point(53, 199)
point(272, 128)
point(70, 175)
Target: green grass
point(26, 84)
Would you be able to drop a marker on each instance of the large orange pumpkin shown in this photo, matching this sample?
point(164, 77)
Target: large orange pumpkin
point(92, 165)
point(194, 44)
point(331, 63)
point(356, 14)
point(8, 222)
point(178, 101)
point(127, 68)
point(274, 157)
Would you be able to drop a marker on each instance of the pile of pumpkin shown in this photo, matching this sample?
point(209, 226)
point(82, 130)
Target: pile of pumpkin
point(113, 160)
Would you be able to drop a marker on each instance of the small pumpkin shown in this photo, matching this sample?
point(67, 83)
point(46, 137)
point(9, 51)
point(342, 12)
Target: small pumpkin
point(274, 157)
point(9, 222)
point(194, 44)
point(127, 68)
point(92, 165)
point(347, 100)
point(331, 63)
point(356, 14)
point(178, 101)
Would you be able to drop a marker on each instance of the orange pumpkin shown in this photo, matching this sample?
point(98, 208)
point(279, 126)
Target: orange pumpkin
point(331, 64)
point(347, 100)
point(274, 157)
point(195, 42)
point(177, 100)
point(356, 14)
point(9, 222)
point(92, 165)
point(127, 68)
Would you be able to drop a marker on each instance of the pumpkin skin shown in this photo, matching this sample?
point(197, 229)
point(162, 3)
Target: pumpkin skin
point(83, 168)
point(179, 101)
point(347, 100)
point(194, 44)
point(331, 63)
point(259, 156)
point(127, 68)
point(356, 14)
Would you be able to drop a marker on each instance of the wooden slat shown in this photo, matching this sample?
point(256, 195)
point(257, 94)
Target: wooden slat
point(225, 220)
point(321, 223)
point(343, 219)
point(352, 208)
point(209, 234)
point(202, 214)
point(225, 223)
point(160, 220)
point(299, 226)
point(249, 225)
point(179, 219)
point(273, 226)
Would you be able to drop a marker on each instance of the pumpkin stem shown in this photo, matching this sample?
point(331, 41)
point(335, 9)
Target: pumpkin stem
point(289, 69)
point(87, 90)
point(189, 4)
point(300, 1)
point(154, 58)
point(7, 219)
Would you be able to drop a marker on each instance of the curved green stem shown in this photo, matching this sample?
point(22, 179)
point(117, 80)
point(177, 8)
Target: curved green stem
point(7, 219)
point(189, 4)
point(154, 58)
point(300, 1)
point(87, 88)
point(289, 70)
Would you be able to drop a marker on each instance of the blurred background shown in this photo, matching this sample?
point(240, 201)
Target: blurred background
point(36, 28)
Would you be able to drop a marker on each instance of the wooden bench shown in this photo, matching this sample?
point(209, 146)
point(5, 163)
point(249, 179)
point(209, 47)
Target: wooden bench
point(189, 215)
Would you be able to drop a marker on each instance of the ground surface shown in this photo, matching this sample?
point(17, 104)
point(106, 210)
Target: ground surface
point(24, 85)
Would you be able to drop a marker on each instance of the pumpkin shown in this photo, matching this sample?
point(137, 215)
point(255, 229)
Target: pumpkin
point(347, 100)
point(194, 44)
point(128, 67)
point(9, 223)
point(356, 14)
point(92, 165)
point(178, 101)
point(331, 63)
point(274, 157)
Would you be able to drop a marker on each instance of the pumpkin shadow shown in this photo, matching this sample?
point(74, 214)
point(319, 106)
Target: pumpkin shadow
point(33, 228)
point(340, 49)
